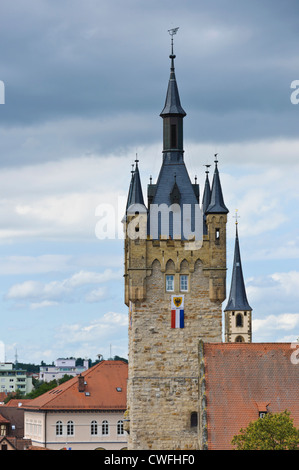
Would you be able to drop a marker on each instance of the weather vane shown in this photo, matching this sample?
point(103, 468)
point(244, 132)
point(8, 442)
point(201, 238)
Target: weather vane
point(172, 32)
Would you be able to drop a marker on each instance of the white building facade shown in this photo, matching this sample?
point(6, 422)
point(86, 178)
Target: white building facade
point(62, 367)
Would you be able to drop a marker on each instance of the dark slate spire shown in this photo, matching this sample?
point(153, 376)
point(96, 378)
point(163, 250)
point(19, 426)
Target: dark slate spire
point(237, 297)
point(172, 102)
point(206, 199)
point(172, 115)
point(130, 188)
point(173, 184)
point(135, 195)
point(216, 205)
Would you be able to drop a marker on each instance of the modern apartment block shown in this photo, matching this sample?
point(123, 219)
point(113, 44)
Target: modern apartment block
point(12, 380)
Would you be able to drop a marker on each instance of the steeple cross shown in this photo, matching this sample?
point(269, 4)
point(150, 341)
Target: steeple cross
point(236, 216)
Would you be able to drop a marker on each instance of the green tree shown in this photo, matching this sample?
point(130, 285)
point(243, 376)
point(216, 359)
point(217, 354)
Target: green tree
point(272, 432)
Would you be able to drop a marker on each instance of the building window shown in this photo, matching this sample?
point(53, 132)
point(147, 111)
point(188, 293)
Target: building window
point(94, 428)
point(239, 320)
point(262, 414)
point(3, 430)
point(70, 428)
point(105, 428)
point(193, 420)
point(170, 283)
point(184, 283)
point(240, 339)
point(217, 236)
point(58, 428)
point(120, 427)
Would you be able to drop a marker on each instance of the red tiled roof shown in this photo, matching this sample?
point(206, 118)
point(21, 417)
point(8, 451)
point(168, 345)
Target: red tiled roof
point(3, 420)
point(18, 402)
point(242, 378)
point(105, 389)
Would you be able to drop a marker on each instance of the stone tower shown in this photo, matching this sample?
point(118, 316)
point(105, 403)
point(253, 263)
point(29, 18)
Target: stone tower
point(238, 313)
point(175, 283)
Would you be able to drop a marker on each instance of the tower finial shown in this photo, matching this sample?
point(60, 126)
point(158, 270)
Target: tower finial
point(172, 32)
point(216, 159)
point(236, 216)
point(207, 168)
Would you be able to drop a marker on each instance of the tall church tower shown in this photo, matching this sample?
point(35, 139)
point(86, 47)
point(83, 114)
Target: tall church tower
point(238, 313)
point(175, 283)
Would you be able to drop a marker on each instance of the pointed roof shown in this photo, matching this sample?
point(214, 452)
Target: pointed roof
point(237, 297)
point(206, 199)
point(172, 102)
point(135, 195)
point(216, 205)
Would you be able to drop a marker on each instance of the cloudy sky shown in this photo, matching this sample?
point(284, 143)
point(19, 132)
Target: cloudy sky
point(85, 83)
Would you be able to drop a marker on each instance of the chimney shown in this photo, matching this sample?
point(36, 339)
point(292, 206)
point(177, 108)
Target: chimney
point(81, 385)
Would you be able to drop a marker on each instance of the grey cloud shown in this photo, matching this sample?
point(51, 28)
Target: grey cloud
point(107, 63)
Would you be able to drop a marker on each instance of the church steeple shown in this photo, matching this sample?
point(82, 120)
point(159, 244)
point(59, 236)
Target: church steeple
point(172, 113)
point(238, 310)
point(237, 297)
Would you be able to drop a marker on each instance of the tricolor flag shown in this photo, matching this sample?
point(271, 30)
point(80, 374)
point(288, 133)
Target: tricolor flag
point(177, 311)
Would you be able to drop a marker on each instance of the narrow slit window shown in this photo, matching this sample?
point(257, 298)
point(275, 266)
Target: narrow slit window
point(173, 136)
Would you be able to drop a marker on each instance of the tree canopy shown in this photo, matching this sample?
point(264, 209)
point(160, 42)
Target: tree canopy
point(272, 432)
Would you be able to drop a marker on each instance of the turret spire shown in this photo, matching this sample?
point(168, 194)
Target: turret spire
point(172, 102)
point(135, 195)
point(237, 297)
point(206, 199)
point(216, 205)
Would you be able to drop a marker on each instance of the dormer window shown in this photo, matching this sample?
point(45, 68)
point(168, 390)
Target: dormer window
point(262, 408)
